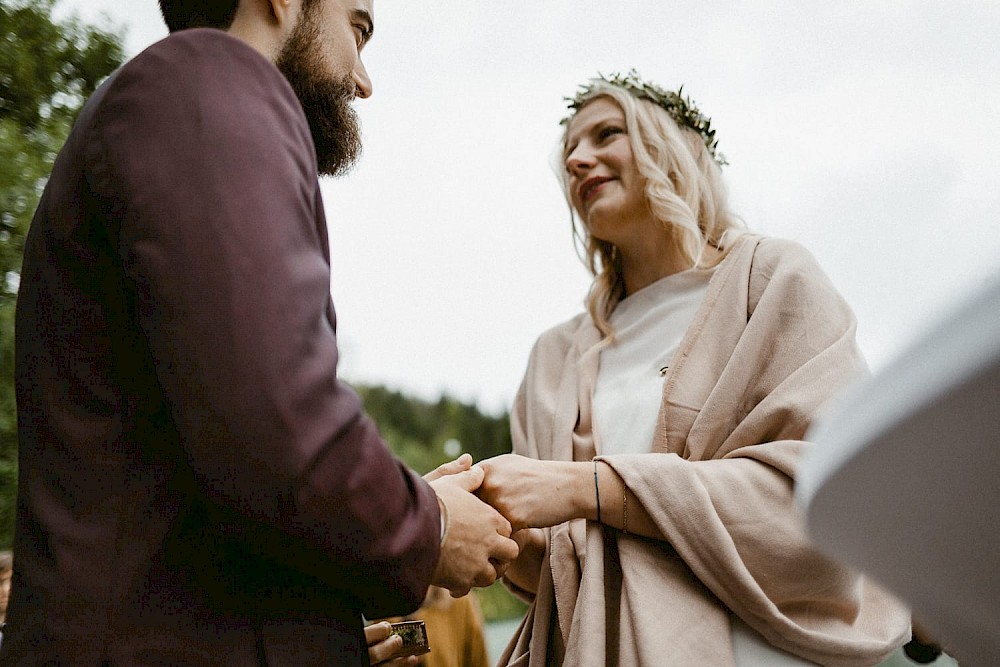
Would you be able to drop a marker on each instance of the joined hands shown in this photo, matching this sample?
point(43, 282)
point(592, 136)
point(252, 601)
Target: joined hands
point(533, 493)
point(477, 546)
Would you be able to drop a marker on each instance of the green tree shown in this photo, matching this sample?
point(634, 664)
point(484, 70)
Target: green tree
point(48, 68)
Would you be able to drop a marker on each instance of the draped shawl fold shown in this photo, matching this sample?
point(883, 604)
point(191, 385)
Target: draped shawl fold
point(770, 343)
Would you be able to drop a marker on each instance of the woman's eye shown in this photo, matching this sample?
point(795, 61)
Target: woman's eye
point(610, 131)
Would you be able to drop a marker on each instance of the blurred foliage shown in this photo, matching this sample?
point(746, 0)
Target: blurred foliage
point(48, 69)
point(425, 434)
point(498, 604)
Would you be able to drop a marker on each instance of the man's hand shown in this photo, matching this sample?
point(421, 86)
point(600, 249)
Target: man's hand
point(382, 645)
point(477, 545)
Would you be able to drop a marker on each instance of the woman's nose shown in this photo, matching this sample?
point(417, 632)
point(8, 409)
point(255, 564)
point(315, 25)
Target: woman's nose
point(578, 162)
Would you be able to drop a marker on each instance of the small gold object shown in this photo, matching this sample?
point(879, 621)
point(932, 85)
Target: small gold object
point(625, 509)
point(414, 636)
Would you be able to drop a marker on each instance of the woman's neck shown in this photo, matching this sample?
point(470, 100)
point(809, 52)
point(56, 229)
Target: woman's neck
point(647, 263)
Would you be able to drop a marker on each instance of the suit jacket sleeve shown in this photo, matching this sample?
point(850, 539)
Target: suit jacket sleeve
point(203, 158)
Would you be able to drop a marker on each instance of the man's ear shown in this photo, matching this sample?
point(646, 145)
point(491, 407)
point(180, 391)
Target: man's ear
point(266, 25)
point(285, 14)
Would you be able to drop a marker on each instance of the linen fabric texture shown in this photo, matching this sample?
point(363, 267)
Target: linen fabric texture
point(771, 342)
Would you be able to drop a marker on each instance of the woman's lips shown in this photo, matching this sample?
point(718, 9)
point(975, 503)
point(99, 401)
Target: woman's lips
point(590, 187)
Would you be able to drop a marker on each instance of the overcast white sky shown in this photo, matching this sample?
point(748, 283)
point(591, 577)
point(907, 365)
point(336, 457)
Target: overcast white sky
point(866, 130)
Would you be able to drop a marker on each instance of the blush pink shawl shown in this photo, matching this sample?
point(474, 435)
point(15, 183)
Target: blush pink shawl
point(770, 343)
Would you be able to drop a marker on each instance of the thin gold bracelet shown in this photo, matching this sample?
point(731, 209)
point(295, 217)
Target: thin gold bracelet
point(625, 509)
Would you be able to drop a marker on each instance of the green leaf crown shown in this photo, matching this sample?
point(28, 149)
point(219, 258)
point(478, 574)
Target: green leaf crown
point(681, 108)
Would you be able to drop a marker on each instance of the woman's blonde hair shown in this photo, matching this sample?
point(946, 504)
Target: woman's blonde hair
point(684, 191)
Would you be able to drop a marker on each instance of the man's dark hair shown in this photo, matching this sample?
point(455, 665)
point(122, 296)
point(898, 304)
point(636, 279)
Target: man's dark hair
point(181, 14)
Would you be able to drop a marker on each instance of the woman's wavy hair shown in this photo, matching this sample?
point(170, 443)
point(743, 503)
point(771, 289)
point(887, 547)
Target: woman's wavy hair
point(684, 191)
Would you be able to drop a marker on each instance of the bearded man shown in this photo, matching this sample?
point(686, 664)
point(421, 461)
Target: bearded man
point(196, 485)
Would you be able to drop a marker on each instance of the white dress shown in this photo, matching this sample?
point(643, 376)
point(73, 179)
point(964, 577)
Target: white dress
point(649, 325)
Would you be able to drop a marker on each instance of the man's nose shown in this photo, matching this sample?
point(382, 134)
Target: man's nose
point(362, 81)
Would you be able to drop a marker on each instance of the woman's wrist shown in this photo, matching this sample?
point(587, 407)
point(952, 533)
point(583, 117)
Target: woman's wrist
point(586, 483)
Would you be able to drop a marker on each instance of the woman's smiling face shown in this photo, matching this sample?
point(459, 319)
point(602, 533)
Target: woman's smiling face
point(605, 186)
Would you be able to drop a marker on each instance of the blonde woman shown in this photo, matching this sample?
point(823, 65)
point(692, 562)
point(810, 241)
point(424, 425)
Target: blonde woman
point(656, 435)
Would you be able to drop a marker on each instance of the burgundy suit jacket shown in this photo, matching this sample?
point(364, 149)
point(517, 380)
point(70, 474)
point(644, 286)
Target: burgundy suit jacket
point(196, 485)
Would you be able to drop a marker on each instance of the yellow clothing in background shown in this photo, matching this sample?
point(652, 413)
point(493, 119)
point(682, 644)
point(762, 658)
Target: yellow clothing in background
point(455, 633)
point(455, 630)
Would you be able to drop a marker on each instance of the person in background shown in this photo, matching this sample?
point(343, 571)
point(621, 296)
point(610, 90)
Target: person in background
point(455, 629)
point(656, 436)
point(196, 485)
point(455, 634)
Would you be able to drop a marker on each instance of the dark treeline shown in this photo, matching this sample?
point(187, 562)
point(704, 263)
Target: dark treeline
point(425, 434)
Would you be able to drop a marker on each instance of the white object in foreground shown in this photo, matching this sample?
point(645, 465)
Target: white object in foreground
point(904, 480)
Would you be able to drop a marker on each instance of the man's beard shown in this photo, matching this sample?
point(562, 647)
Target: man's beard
point(325, 99)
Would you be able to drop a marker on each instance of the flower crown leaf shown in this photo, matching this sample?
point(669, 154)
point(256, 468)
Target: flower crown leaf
point(680, 107)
